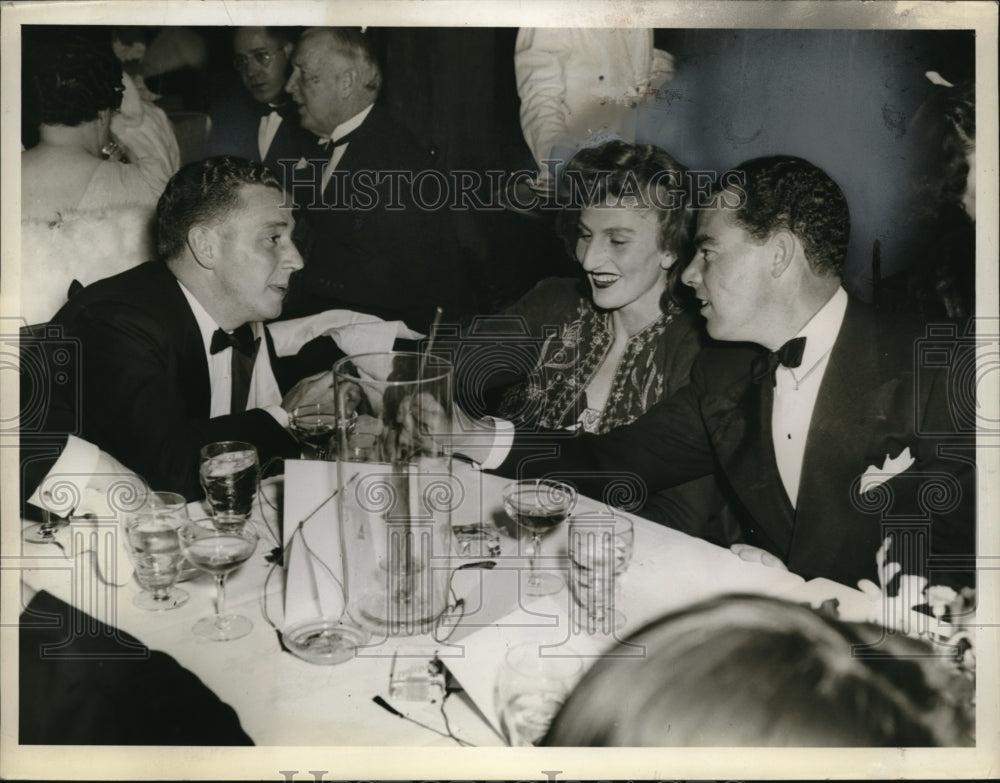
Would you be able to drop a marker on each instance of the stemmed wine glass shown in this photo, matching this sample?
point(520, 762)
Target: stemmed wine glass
point(531, 689)
point(538, 506)
point(600, 549)
point(229, 474)
point(219, 551)
point(151, 534)
point(314, 426)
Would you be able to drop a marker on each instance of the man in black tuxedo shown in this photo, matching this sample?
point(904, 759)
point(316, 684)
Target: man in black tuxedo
point(173, 353)
point(832, 437)
point(368, 245)
point(262, 123)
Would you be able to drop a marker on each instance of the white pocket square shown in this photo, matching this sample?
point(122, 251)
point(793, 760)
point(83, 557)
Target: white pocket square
point(874, 476)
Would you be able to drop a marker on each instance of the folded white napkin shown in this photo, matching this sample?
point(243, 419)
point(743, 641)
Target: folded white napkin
point(353, 332)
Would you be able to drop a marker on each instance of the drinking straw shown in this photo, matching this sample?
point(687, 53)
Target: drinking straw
point(430, 343)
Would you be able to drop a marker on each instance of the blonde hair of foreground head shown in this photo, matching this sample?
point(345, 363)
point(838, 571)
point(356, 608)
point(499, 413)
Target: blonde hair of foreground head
point(754, 671)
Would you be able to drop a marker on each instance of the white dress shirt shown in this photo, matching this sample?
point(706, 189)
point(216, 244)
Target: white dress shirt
point(338, 133)
point(264, 391)
point(796, 389)
point(266, 131)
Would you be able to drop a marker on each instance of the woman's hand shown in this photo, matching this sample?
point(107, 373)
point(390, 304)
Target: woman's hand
point(754, 554)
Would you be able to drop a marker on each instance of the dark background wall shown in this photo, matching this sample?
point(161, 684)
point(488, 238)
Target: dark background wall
point(843, 99)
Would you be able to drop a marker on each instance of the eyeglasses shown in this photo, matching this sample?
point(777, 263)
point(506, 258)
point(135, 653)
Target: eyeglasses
point(260, 57)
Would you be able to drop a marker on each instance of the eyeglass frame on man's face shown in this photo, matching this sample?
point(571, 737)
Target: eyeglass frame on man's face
point(260, 57)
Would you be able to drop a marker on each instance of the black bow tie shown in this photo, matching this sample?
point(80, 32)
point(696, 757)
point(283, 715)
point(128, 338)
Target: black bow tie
point(788, 355)
point(242, 340)
point(285, 109)
point(325, 143)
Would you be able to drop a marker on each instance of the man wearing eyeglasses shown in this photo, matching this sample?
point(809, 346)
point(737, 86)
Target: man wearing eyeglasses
point(261, 124)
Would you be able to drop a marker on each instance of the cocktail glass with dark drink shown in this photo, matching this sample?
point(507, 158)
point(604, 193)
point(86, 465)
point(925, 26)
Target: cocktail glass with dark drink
point(538, 506)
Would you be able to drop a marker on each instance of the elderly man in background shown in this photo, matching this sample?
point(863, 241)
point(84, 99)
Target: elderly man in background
point(174, 353)
point(261, 124)
point(368, 245)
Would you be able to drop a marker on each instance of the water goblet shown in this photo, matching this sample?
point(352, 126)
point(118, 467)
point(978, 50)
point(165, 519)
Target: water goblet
point(219, 551)
point(600, 548)
point(314, 426)
point(153, 543)
point(530, 690)
point(538, 506)
point(229, 474)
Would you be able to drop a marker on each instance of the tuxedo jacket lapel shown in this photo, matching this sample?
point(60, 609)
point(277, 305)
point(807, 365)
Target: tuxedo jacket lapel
point(362, 153)
point(194, 379)
point(290, 144)
point(741, 433)
point(843, 423)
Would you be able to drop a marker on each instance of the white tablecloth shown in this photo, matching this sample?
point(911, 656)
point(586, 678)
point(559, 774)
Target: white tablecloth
point(282, 700)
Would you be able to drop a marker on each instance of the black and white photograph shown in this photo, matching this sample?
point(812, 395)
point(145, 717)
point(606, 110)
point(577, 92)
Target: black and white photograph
point(492, 390)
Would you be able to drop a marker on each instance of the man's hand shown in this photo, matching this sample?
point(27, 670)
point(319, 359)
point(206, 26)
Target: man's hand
point(421, 426)
point(350, 397)
point(754, 554)
point(313, 389)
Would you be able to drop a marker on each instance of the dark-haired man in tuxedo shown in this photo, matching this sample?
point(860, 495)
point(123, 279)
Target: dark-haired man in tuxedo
point(262, 123)
point(816, 411)
point(174, 353)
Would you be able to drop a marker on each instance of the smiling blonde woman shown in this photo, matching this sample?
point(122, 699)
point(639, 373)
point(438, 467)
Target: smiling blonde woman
point(607, 348)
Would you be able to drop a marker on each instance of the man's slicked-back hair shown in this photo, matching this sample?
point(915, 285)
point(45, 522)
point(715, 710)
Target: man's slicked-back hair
point(755, 671)
point(784, 192)
point(203, 193)
point(359, 46)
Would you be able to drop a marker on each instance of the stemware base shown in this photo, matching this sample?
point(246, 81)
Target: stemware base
point(592, 626)
point(172, 599)
point(324, 641)
point(230, 520)
point(223, 628)
point(540, 583)
point(41, 533)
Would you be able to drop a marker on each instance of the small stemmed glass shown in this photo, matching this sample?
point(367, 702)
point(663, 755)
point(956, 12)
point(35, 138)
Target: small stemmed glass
point(151, 534)
point(538, 506)
point(314, 426)
point(219, 551)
